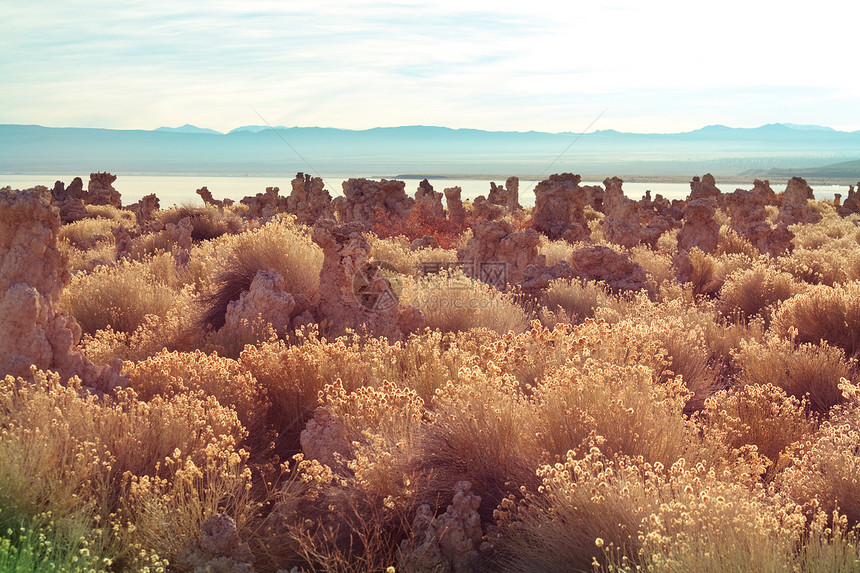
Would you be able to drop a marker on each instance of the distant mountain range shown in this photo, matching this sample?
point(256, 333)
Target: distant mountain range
point(385, 151)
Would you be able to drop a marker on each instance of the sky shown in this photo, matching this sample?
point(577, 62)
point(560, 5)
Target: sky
point(660, 66)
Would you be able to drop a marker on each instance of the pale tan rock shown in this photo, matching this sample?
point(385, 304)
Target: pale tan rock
point(308, 200)
point(616, 269)
point(499, 242)
point(763, 190)
point(323, 438)
point(794, 207)
point(506, 196)
point(100, 190)
point(704, 188)
point(353, 292)
point(628, 222)
point(429, 200)
point(144, 208)
point(559, 208)
point(369, 202)
point(700, 229)
point(34, 331)
point(446, 543)
point(69, 201)
point(456, 211)
point(483, 210)
point(208, 199)
point(852, 201)
point(264, 206)
point(218, 549)
point(748, 218)
point(266, 298)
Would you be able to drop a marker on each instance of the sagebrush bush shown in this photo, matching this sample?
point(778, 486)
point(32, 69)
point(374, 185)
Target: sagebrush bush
point(279, 245)
point(823, 313)
point(119, 297)
point(578, 299)
point(618, 513)
point(826, 470)
point(763, 416)
point(148, 473)
point(756, 292)
point(805, 371)
point(453, 302)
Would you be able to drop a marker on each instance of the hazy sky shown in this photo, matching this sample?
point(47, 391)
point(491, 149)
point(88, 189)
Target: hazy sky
point(658, 66)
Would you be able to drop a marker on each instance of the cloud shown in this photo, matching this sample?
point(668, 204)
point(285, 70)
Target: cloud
point(477, 64)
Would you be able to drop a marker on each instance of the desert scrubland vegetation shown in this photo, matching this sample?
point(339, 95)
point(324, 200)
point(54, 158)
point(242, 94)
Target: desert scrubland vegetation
point(378, 382)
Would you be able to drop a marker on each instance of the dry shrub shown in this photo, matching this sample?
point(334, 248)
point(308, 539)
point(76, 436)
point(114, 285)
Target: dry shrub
point(86, 233)
point(453, 302)
point(732, 243)
point(555, 251)
point(396, 252)
point(620, 513)
point(825, 471)
point(173, 332)
point(683, 331)
point(293, 375)
point(146, 473)
point(365, 490)
point(632, 412)
point(279, 245)
point(804, 371)
point(829, 266)
point(658, 266)
point(756, 292)
point(709, 272)
point(171, 374)
point(122, 216)
point(831, 231)
point(823, 313)
point(578, 299)
point(484, 433)
point(208, 222)
point(763, 416)
point(119, 297)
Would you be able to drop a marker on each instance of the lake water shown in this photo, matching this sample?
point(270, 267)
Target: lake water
point(182, 190)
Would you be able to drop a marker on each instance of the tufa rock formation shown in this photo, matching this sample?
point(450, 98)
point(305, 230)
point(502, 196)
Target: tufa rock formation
point(429, 200)
point(615, 269)
point(209, 200)
point(700, 229)
point(218, 548)
point(704, 188)
point(852, 202)
point(144, 208)
point(749, 220)
point(353, 293)
point(795, 204)
point(308, 200)
point(100, 190)
point(627, 222)
point(69, 200)
point(34, 331)
point(507, 196)
point(447, 543)
point(456, 211)
point(498, 241)
point(559, 208)
point(371, 202)
point(266, 205)
point(268, 299)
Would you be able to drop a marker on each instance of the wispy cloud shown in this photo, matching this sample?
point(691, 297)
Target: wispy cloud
point(658, 66)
